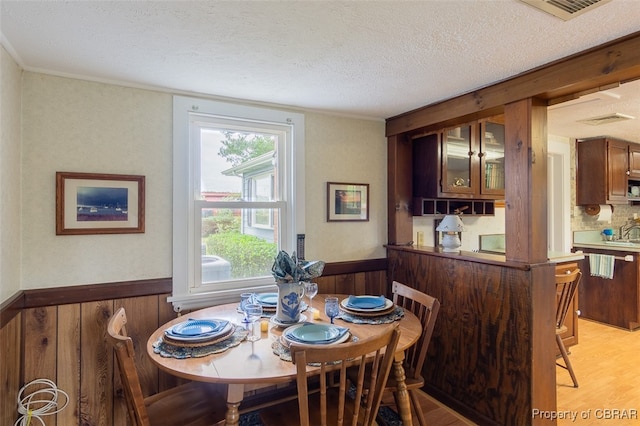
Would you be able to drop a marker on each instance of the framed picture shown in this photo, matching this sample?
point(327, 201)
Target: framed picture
point(347, 201)
point(94, 203)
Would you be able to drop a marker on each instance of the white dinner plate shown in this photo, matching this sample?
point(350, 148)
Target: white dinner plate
point(276, 321)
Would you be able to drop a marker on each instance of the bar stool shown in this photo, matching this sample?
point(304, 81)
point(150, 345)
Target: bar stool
point(566, 286)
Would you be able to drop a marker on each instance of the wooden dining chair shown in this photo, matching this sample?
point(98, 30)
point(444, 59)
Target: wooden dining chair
point(191, 404)
point(426, 309)
point(337, 403)
point(566, 286)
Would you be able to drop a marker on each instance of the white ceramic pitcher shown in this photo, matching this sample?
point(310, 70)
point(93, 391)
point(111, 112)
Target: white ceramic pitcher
point(290, 296)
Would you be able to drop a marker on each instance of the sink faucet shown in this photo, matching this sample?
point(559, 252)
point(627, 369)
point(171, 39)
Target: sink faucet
point(625, 230)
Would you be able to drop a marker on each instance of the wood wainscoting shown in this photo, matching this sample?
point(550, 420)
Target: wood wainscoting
point(58, 334)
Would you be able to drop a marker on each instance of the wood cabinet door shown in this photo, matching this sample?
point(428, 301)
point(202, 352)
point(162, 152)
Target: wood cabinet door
point(618, 166)
point(460, 161)
point(492, 156)
point(634, 160)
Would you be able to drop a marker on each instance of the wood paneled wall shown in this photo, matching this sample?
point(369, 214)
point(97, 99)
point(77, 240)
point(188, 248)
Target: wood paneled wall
point(66, 344)
point(491, 356)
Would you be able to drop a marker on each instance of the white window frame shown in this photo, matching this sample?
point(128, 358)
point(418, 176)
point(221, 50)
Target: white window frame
point(253, 185)
point(187, 292)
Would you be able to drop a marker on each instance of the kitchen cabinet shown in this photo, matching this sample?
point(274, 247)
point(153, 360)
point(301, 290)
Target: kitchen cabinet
point(634, 160)
point(614, 302)
point(464, 161)
point(602, 171)
point(492, 156)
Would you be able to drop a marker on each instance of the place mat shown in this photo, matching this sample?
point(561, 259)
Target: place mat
point(170, 350)
point(395, 315)
point(283, 352)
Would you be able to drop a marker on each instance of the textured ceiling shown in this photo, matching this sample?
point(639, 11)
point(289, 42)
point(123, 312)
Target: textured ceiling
point(373, 59)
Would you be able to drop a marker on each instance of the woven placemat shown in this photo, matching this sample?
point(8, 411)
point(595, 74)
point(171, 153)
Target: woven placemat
point(285, 354)
point(392, 316)
point(169, 350)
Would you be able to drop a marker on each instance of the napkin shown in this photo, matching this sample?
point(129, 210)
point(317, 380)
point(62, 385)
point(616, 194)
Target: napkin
point(368, 302)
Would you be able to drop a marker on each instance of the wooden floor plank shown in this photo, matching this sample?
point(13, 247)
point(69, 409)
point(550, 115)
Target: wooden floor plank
point(606, 366)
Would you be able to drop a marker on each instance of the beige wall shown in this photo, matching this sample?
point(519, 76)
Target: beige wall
point(76, 125)
point(10, 106)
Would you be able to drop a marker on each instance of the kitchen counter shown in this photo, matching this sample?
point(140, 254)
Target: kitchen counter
point(610, 301)
point(593, 240)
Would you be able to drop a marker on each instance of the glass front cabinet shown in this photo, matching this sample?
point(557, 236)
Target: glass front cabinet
point(492, 156)
point(473, 159)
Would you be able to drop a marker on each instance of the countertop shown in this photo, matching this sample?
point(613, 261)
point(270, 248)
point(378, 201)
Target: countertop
point(593, 240)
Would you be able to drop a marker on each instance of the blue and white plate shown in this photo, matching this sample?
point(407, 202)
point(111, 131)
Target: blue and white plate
point(267, 299)
point(316, 334)
point(193, 330)
point(276, 321)
point(363, 306)
point(366, 302)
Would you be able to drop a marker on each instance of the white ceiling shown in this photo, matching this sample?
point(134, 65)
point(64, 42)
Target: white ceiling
point(372, 59)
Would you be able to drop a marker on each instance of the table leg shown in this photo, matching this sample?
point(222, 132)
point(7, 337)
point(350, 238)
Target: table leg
point(235, 393)
point(402, 395)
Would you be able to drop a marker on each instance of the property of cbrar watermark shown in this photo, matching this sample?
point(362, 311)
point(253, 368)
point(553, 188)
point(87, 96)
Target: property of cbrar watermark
point(598, 414)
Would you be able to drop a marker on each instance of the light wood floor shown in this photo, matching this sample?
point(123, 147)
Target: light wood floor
point(607, 365)
point(606, 362)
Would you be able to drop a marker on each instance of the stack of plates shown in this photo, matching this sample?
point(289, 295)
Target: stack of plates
point(269, 301)
point(367, 305)
point(315, 334)
point(199, 331)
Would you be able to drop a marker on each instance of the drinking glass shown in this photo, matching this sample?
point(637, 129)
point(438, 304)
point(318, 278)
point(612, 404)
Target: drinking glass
point(311, 289)
point(254, 313)
point(245, 299)
point(331, 307)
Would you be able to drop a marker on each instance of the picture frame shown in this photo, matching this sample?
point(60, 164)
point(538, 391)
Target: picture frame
point(347, 202)
point(98, 203)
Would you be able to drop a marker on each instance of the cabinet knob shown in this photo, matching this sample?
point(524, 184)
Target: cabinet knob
point(471, 153)
point(628, 172)
point(480, 154)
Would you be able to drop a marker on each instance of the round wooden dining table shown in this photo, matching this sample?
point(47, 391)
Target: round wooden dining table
point(251, 365)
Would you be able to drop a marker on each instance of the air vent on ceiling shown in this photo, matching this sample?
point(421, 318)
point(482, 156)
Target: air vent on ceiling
point(606, 119)
point(565, 9)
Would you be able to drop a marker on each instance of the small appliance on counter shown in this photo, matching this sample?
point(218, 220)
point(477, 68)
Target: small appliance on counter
point(608, 234)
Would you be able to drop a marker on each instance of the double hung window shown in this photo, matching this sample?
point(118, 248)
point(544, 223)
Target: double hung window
point(236, 185)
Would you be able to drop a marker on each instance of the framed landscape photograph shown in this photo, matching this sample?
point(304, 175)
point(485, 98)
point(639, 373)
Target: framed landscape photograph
point(95, 203)
point(347, 201)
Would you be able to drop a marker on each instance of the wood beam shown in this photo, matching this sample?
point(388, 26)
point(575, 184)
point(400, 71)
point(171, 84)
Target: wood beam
point(399, 191)
point(610, 63)
point(526, 187)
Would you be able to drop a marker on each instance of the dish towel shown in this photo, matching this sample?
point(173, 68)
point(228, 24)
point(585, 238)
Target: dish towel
point(601, 265)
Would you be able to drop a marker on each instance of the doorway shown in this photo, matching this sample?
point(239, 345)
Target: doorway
point(558, 194)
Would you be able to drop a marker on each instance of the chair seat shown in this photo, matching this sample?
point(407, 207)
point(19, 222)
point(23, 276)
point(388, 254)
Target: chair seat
point(191, 404)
